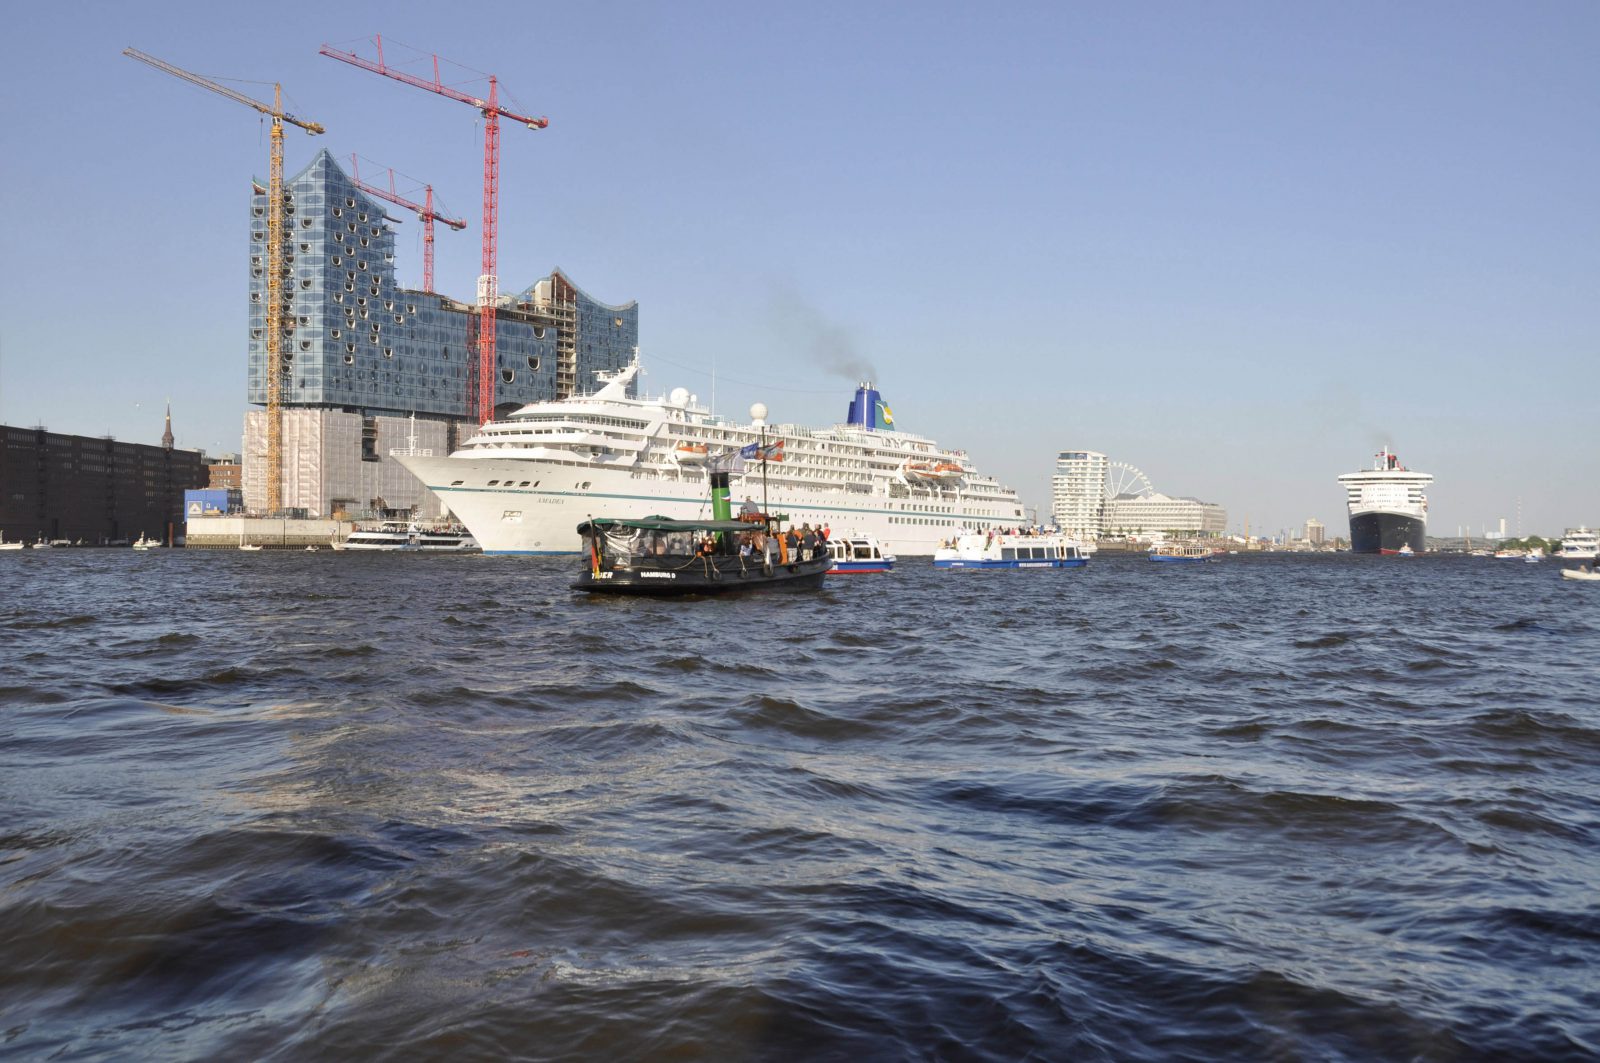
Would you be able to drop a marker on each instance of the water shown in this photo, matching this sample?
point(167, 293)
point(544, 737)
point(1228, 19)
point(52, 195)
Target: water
point(279, 806)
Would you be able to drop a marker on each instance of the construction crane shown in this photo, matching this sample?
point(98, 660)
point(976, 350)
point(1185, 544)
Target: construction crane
point(488, 281)
point(424, 211)
point(275, 263)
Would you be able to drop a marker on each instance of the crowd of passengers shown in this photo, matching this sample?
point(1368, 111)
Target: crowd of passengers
point(797, 544)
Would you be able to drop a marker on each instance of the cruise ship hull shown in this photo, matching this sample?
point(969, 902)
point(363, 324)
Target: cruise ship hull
point(1386, 533)
point(543, 517)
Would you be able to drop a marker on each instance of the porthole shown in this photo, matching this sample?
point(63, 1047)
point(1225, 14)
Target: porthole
point(335, 333)
point(388, 304)
point(305, 223)
point(361, 263)
point(258, 211)
point(388, 352)
point(337, 261)
point(457, 483)
point(338, 238)
point(538, 332)
point(349, 276)
point(349, 359)
point(255, 297)
point(362, 216)
point(305, 283)
point(350, 225)
point(349, 287)
point(363, 315)
point(361, 300)
point(363, 244)
point(303, 320)
point(373, 325)
point(508, 375)
point(533, 363)
point(255, 333)
point(256, 272)
point(256, 236)
point(349, 201)
point(338, 297)
point(398, 320)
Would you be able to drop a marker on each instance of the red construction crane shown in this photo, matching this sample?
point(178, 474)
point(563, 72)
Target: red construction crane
point(488, 282)
point(424, 211)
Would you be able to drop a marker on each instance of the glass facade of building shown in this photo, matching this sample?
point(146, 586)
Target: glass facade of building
point(355, 340)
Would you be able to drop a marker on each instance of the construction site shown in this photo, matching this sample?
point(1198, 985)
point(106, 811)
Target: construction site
point(345, 367)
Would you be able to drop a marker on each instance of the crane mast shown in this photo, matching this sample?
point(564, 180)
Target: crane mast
point(275, 256)
point(488, 281)
point(423, 210)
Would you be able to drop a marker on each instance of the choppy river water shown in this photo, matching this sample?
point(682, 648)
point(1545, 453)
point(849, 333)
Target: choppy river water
point(1300, 808)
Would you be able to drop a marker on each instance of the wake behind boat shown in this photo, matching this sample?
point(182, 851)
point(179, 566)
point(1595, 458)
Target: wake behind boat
point(522, 485)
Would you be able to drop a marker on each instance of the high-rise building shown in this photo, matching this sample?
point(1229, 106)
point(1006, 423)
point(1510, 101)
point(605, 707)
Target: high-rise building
point(361, 355)
point(1077, 493)
point(1316, 533)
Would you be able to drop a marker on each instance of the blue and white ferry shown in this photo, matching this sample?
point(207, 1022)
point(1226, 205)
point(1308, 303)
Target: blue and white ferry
point(1008, 550)
point(859, 553)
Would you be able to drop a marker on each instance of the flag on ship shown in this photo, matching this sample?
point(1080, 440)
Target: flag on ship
point(771, 452)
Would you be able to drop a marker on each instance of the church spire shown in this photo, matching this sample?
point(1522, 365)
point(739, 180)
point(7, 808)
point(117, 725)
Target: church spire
point(166, 437)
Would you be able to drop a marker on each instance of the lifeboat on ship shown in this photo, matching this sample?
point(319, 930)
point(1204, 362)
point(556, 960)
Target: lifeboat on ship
point(941, 473)
point(690, 453)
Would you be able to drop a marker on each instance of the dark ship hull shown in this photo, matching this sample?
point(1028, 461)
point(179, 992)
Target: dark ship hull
point(1386, 533)
point(719, 574)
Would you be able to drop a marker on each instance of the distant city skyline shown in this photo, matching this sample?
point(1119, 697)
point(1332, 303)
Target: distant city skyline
point(1241, 247)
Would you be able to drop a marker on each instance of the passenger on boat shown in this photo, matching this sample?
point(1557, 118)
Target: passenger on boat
point(791, 540)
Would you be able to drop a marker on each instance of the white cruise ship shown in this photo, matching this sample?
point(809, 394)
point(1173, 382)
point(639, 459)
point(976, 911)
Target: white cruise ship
point(524, 484)
point(1388, 507)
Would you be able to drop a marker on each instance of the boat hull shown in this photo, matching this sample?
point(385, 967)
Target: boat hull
point(1386, 533)
point(1064, 562)
point(1168, 559)
point(703, 576)
point(1579, 574)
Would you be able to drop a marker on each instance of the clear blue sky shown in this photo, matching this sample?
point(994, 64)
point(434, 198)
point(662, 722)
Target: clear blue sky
point(1240, 246)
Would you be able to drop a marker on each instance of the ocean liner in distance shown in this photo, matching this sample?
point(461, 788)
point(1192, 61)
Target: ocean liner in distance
point(1388, 509)
point(522, 485)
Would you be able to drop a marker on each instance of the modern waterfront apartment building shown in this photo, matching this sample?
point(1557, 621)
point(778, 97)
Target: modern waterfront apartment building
point(1077, 493)
point(1158, 515)
point(362, 354)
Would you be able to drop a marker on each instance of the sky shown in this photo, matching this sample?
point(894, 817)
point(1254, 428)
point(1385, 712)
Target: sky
point(1239, 246)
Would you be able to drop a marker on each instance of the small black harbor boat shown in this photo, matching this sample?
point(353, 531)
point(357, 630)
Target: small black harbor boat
point(662, 556)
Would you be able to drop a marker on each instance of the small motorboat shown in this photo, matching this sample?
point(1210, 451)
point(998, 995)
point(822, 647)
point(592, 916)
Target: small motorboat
point(1587, 574)
point(859, 553)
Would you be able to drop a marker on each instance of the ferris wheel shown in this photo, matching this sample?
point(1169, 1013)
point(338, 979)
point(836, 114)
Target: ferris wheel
point(1124, 479)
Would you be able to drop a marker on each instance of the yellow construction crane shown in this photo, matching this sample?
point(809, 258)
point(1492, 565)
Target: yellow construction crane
point(275, 265)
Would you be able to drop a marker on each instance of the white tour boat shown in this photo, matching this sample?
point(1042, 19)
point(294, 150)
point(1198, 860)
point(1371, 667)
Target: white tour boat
point(1010, 550)
point(413, 536)
point(523, 485)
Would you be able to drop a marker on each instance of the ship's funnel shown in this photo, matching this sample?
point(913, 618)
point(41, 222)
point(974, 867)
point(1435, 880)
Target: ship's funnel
point(868, 410)
point(721, 509)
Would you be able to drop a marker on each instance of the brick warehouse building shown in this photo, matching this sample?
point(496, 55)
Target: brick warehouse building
point(93, 490)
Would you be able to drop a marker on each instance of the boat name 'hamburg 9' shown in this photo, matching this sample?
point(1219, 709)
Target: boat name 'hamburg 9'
point(522, 485)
